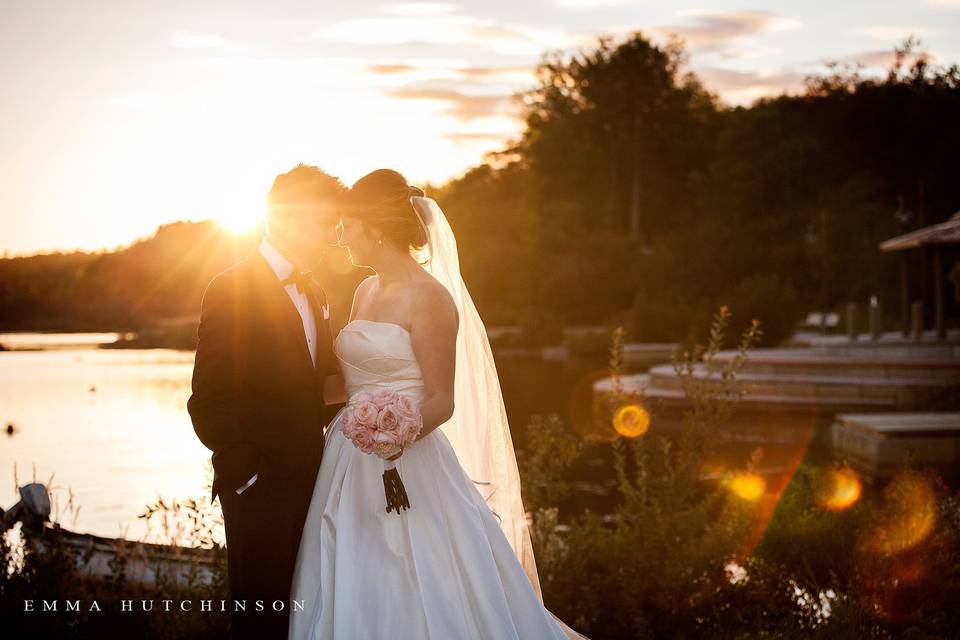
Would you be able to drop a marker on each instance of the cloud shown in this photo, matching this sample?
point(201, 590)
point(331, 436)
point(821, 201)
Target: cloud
point(476, 136)
point(733, 79)
point(748, 52)
point(393, 30)
point(880, 58)
point(454, 69)
point(458, 104)
point(184, 40)
point(944, 4)
point(876, 58)
point(895, 33)
point(717, 31)
point(448, 29)
point(517, 72)
point(744, 87)
point(522, 40)
point(392, 68)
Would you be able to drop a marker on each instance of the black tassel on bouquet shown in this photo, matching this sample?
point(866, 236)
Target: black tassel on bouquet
point(394, 490)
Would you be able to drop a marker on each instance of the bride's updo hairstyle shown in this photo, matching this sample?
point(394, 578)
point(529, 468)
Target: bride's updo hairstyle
point(381, 200)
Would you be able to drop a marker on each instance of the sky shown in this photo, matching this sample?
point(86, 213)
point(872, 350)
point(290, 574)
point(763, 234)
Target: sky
point(121, 115)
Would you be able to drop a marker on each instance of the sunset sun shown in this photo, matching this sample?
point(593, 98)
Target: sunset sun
point(240, 220)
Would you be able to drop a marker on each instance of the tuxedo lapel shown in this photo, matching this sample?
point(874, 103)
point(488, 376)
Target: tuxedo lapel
point(279, 300)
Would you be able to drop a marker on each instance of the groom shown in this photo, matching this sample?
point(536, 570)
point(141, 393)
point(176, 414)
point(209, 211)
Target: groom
point(263, 357)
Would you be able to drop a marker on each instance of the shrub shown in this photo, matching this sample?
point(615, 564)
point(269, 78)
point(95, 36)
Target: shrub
point(682, 557)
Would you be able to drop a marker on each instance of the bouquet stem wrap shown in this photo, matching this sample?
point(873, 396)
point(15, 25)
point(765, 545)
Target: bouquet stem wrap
point(394, 490)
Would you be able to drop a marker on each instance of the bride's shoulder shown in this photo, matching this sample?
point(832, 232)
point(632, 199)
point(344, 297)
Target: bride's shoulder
point(434, 301)
point(361, 292)
point(366, 284)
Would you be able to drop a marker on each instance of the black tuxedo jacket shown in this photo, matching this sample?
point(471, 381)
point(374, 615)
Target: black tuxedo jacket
point(257, 399)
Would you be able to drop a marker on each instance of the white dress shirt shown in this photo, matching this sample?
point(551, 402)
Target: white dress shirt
point(283, 268)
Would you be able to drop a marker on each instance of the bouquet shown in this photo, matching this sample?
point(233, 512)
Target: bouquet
point(382, 424)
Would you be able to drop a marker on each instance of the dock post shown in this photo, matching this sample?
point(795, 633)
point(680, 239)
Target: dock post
point(916, 320)
point(876, 319)
point(904, 295)
point(851, 321)
point(939, 323)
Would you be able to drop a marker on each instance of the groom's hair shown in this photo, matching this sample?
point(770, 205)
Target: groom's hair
point(301, 185)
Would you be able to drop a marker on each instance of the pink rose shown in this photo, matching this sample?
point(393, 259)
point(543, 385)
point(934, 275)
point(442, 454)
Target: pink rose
point(348, 424)
point(409, 428)
point(384, 397)
point(364, 440)
point(406, 407)
point(388, 421)
point(385, 444)
point(365, 413)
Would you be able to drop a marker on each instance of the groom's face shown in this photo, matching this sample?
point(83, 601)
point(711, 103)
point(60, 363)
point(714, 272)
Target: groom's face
point(320, 229)
point(308, 229)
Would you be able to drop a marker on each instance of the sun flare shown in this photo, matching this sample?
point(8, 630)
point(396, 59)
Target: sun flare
point(240, 220)
point(631, 421)
point(749, 486)
point(844, 490)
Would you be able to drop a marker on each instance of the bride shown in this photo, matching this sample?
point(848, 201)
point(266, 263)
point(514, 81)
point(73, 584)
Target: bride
point(458, 563)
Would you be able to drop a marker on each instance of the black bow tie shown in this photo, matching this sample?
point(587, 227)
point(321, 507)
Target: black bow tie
point(301, 279)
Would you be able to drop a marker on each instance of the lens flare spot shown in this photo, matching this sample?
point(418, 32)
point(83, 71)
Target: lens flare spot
point(749, 486)
point(908, 517)
point(843, 490)
point(631, 420)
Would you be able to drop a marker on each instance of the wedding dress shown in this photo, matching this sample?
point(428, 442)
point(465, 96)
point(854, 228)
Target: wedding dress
point(458, 563)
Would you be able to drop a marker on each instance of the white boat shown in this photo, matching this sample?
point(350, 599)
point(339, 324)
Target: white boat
point(99, 557)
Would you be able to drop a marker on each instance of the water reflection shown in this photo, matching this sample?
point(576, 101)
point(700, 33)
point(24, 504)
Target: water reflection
point(32, 341)
point(110, 425)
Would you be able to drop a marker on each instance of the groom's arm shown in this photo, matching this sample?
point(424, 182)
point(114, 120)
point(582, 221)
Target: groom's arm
point(216, 386)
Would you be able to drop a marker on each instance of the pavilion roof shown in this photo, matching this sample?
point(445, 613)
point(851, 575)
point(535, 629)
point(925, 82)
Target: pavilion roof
point(944, 233)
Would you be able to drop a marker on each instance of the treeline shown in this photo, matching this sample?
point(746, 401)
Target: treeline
point(154, 285)
point(157, 279)
point(633, 197)
point(155, 282)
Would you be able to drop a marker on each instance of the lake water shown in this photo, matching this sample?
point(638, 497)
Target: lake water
point(109, 424)
point(112, 426)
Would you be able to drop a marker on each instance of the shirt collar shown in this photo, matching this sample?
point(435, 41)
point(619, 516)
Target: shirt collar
point(280, 265)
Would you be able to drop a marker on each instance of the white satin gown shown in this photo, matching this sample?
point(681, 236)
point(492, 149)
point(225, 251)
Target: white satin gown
point(441, 570)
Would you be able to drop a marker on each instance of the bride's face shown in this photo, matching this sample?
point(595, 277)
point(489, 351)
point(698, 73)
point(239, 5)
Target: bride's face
point(360, 244)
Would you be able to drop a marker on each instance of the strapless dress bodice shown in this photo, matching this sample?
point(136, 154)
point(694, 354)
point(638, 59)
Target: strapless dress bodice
point(378, 355)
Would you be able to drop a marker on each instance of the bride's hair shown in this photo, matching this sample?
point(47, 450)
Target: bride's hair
point(381, 200)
